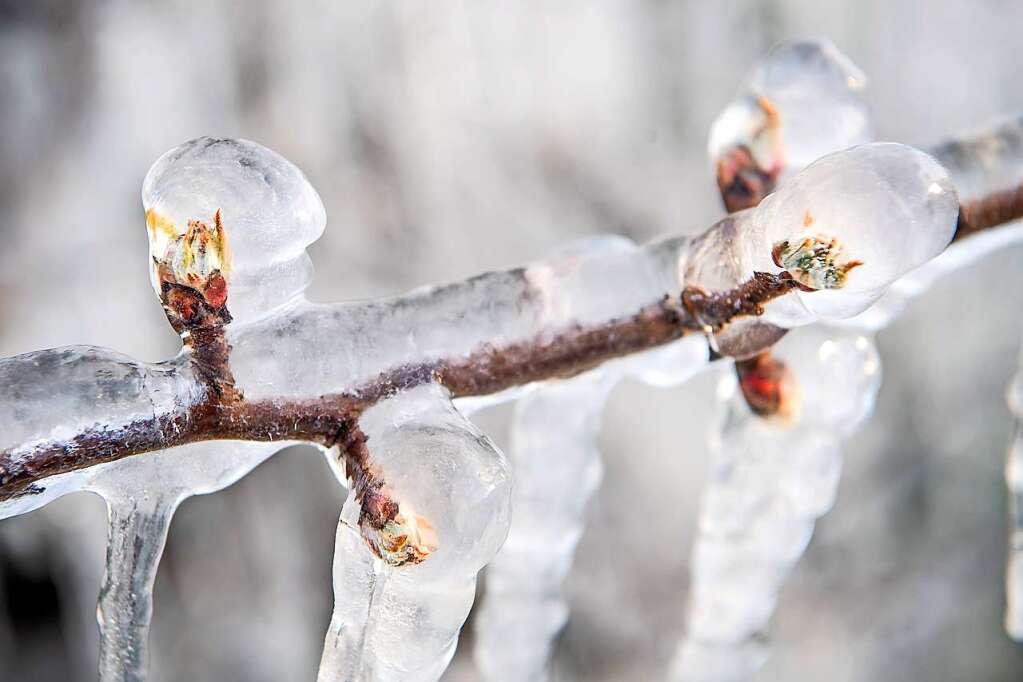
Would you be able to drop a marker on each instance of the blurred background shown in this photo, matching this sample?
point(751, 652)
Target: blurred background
point(452, 138)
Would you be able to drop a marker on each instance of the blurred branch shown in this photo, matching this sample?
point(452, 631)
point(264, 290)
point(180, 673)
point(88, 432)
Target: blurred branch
point(989, 211)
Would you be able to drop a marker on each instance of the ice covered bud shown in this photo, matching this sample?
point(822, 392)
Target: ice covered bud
point(848, 226)
point(443, 491)
point(209, 193)
point(815, 262)
point(802, 101)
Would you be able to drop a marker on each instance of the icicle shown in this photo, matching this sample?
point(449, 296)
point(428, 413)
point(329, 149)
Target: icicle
point(402, 590)
point(142, 495)
point(1014, 482)
point(770, 479)
point(557, 469)
point(136, 537)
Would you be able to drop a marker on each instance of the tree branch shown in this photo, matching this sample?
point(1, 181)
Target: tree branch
point(331, 420)
point(989, 211)
point(207, 405)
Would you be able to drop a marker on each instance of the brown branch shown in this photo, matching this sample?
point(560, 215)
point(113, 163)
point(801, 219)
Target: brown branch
point(331, 419)
point(989, 211)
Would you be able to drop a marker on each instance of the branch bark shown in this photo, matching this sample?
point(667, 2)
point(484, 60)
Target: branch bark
point(331, 420)
point(215, 409)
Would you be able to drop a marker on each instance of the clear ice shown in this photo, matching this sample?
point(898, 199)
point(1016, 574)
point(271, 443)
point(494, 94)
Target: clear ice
point(721, 645)
point(234, 219)
point(802, 101)
point(557, 469)
point(402, 622)
point(770, 479)
point(1014, 484)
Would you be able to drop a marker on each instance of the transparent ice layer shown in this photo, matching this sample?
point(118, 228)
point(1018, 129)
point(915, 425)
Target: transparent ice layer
point(1014, 484)
point(269, 209)
point(802, 101)
point(257, 215)
point(980, 163)
point(557, 469)
point(402, 623)
point(770, 479)
point(890, 208)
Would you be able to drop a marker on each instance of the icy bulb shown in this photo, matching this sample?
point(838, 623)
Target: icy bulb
point(849, 225)
point(801, 102)
point(231, 219)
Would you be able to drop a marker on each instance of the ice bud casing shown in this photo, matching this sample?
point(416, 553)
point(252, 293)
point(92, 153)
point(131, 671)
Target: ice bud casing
point(231, 219)
point(802, 101)
point(450, 482)
point(848, 226)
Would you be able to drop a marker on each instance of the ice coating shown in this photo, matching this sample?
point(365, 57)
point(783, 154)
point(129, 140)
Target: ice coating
point(890, 207)
point(402, 622)
point(770, 479)
point(494, 309)
point(980, 162)
point(803, 100)
point(269, 210)
point(1014, 485)
point(984, 160)
point(304, 351)
point(884, 208)
point(557, 469)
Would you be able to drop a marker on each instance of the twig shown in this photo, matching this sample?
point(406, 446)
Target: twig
point(986, 212)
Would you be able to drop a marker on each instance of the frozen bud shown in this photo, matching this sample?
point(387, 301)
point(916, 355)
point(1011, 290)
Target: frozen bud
point(802, 101)
point(401, 536)
point(848, 226)
point(769, 387)
point(449, 485)
point(815, 262)
point(231, 220)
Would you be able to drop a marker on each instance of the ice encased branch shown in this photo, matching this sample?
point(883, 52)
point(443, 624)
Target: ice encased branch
point(801, 101)
point(980, 163)
point(235, 211)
